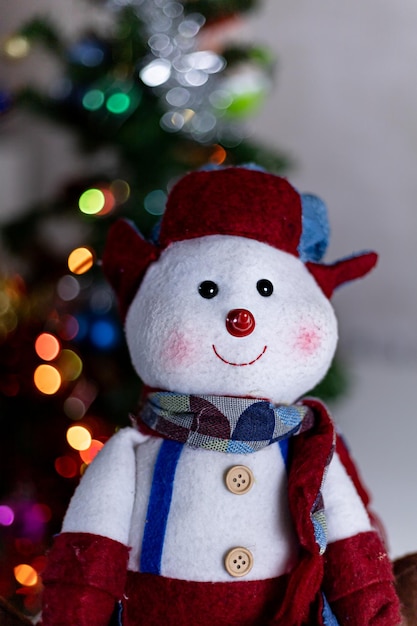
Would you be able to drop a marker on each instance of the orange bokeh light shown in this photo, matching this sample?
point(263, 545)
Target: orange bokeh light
point(26, 575)
point(47, 379)
point(47, 346)
point(80, 260)
point(89, 454)
point(218, 156)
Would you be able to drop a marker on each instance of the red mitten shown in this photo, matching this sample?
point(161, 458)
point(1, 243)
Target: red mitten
point(359, 583)
point(85, 576)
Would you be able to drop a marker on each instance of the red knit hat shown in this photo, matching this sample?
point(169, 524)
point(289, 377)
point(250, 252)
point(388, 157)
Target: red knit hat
point(232, 201)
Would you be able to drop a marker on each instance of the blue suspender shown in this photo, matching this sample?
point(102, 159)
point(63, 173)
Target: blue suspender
point(158, 506)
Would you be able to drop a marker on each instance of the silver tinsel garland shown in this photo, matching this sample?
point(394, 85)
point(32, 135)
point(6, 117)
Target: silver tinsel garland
point(202, 97)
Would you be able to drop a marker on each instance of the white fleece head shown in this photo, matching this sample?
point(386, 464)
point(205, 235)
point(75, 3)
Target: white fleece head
point(179, 341)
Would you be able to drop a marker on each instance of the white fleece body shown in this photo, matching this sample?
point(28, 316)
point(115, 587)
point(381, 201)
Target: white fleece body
point(205, 519)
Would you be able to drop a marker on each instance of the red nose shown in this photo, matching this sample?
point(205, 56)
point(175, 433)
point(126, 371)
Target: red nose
point(240, 322)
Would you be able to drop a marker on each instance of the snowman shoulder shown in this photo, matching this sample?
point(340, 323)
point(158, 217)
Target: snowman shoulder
point(103, 501)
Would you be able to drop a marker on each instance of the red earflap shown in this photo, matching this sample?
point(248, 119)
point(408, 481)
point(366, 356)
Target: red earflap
point(125, 259)
point(331, 276)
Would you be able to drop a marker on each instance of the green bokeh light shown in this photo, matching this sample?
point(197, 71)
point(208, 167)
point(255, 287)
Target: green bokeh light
point(118, 103)
point(92, 201)
point(93, 100)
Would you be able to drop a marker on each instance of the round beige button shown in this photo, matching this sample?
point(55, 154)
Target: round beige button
point(238, 562)
point(239, 479)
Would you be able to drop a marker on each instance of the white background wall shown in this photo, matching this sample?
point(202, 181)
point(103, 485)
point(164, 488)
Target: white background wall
point(344, 105)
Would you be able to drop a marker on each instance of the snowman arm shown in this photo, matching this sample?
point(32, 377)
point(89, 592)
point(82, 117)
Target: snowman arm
point(85, 577)
point(87, 564)
point(358, 575)
point(359, 583)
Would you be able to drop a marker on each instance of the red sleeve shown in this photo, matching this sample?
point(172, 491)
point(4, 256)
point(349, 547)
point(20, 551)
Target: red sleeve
point(359, 582)
point(84, 578)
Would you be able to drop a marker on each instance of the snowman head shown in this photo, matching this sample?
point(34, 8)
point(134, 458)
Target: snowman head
point(232, 300)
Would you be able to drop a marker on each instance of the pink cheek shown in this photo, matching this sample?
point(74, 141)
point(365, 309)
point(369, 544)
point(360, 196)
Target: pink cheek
point(180, 349)
point(308, 340)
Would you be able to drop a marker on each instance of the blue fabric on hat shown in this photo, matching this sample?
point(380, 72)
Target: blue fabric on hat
point(316, 231)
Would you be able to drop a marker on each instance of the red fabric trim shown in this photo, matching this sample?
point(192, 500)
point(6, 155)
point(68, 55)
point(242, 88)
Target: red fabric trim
point(309, 455)
point(359, 582)
point(152, 600)
point(84, 577)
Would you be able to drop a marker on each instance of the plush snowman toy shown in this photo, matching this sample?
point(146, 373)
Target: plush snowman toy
point(231, 501)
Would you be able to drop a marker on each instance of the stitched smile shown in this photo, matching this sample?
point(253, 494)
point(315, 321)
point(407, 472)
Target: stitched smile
point(239, 364)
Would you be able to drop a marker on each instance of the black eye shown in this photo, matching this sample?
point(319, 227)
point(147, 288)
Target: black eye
point(208, 289)
point(265, 287)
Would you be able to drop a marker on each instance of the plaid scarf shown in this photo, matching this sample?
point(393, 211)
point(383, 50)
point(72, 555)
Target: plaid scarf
point(223, 423)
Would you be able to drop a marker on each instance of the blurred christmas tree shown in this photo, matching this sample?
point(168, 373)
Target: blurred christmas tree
point(165, 93)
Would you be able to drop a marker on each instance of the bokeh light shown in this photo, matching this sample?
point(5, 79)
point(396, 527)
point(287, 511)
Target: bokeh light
point(47, 346)
point(91, 201)
point(47, 379)
point(26, 575)
point(68, 288)
point(69, 365)
point(6, 515)
point(87, 52)
point(69, 327)
point(79, 437)
point(109, 202)
point(93, 99)
point(97, 201)
point(118, 103)
point(104, 333)
point(80, 260)
point(81, 398)
point(16, 47)
point(120, 190)
point(101, 300)
point(66, 466)
point(41, 513)
point(218, 156)
point(88, 455)
point(74, 408)
point(155, 202)
point(156, 72)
